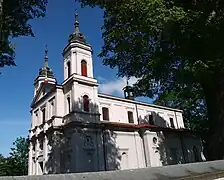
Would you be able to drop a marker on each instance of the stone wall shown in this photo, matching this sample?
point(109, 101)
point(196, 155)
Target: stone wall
point(205, 170)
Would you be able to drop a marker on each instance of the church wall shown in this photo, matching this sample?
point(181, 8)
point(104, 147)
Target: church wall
point(180, 121)
point(84, 151)
point(67, 58)
point(173, 147)
point(67, 94)
point(60, 108)
point(190, 142)
point(118, 110)
point(124, 150)
point(153, 155)
point(118, 113)
point(167, 148)
point(160, 116)
point(80, 91)
point(37, 120)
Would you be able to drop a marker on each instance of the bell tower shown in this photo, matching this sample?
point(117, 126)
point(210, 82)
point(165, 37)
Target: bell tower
point(79, 84)
point(45, 74)
point(77, 54)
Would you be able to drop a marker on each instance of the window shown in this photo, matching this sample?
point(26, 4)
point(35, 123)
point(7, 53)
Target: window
point(130, 117)
point(83, 68)
point(124, 161)
point(154, 140)
point(86, 103)
point(105, 113)
point(36, 119)
point(69, 68)
point(151, 119)
point(52, 107)
point(69, 104)
point(41, 144)
point(43, 115)
point(172, 123)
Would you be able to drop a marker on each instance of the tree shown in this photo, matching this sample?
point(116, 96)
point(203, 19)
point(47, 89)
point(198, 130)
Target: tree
point(194, 111)
point(18, 159)
point(193, 105)
point(17, 162)
point(14, 22)
point(2, 166)
point(170, 45)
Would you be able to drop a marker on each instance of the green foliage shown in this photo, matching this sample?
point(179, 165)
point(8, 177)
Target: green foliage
point(172, 47)
point(14, 22)
point(193, 106)
point(17, 163)
point(168, 44)
point(2, 166)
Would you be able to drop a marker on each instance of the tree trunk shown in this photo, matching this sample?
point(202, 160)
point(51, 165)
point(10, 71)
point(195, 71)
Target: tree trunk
point(214, 97)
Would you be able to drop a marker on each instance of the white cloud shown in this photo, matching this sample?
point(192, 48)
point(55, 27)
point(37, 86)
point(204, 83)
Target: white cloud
point(101, 79)
point(115, 86)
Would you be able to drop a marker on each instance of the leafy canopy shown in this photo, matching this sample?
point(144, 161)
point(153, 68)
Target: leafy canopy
point(14, 22)
point(169, 45)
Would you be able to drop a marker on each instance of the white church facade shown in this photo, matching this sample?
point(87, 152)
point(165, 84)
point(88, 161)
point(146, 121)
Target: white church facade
point(76, 129)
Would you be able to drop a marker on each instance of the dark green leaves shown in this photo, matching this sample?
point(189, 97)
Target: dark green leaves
point(14, 22)
point(175, 43)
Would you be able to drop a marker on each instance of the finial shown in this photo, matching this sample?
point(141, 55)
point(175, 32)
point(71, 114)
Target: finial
point(76, 23)
point(127, 82)
point(76, 16)
point(46, 57)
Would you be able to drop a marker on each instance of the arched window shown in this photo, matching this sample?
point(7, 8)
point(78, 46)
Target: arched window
point(69, 68)
point(124, 160)
point(69, 104)
point(86, 103)
point(83, 68)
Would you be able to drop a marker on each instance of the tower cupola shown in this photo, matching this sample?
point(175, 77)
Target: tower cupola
point(46, 71)
point(128, 92)
point(46, 74)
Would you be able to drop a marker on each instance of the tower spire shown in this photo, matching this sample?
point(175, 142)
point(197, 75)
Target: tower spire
point(77, 31)
point(46, 71)
point(77, 35)
point(46, 57)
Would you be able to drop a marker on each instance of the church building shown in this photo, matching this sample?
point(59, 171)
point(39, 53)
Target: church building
point(77, 129)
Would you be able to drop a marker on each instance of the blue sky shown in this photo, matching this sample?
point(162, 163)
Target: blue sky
point(16, 91)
